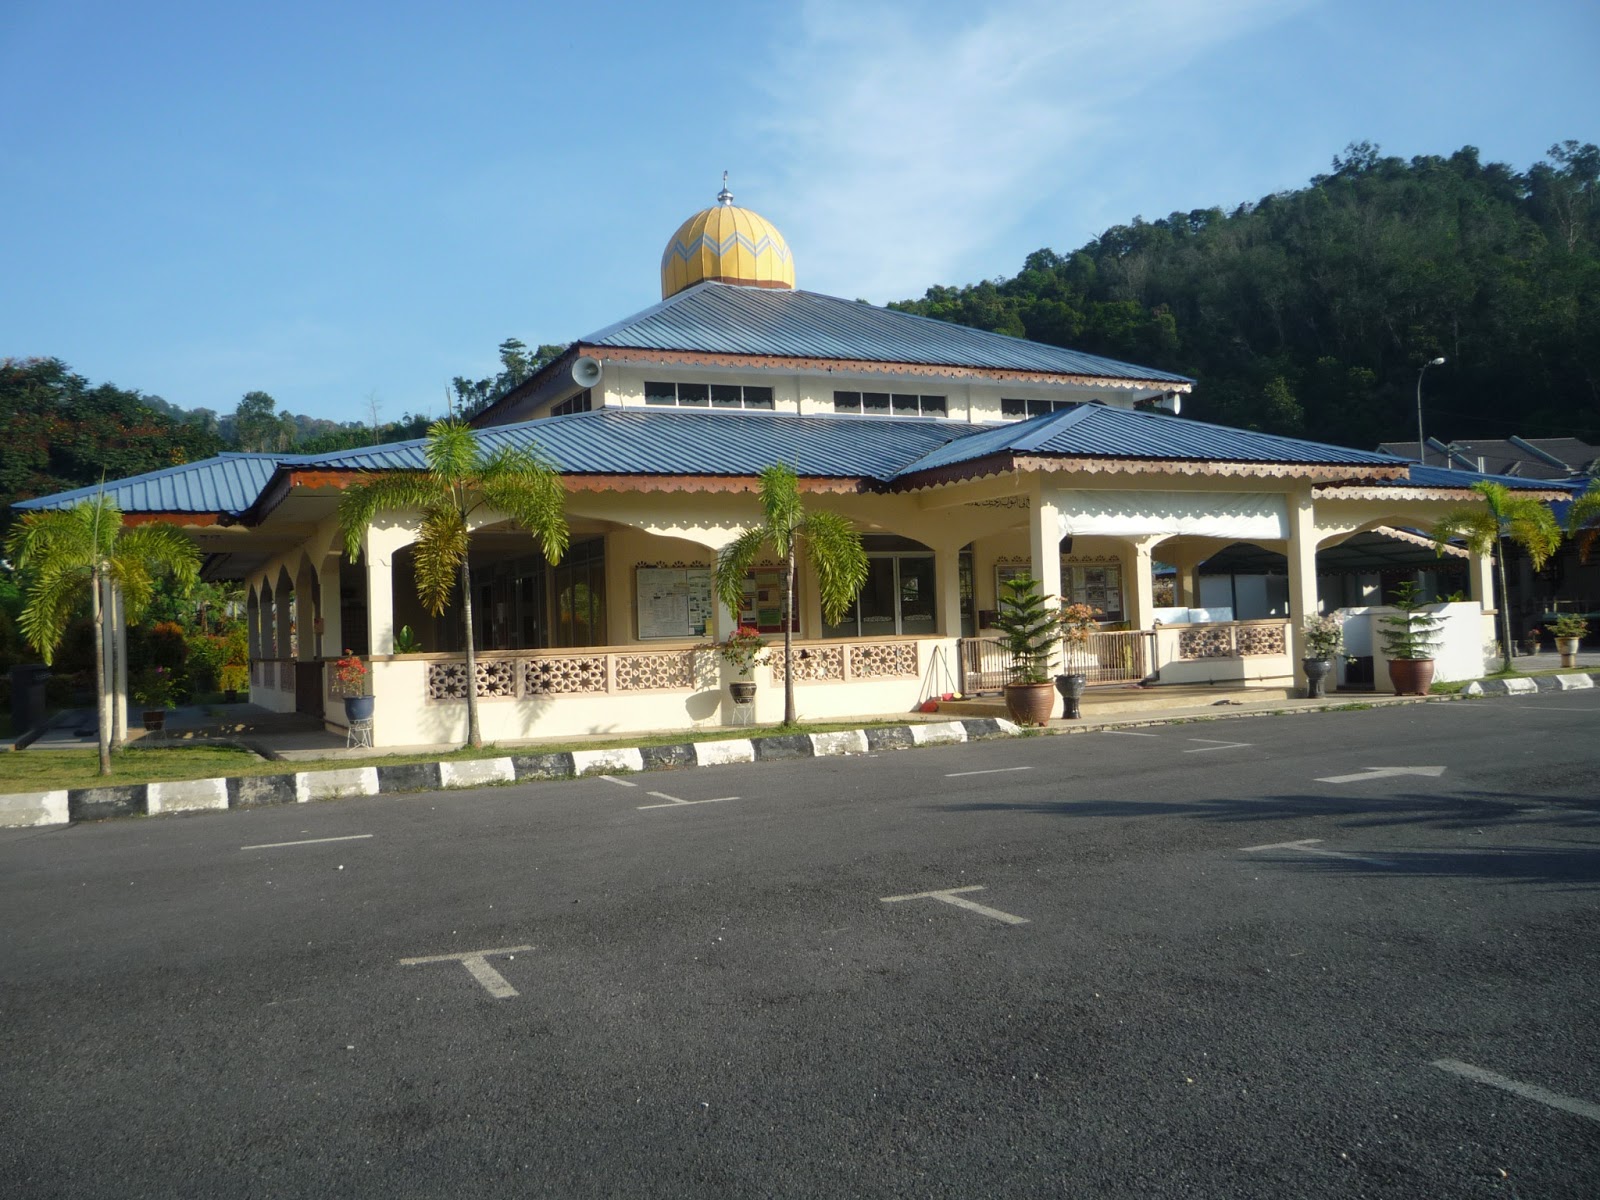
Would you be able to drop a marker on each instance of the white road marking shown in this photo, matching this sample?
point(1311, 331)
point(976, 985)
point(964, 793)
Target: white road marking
point(1129, 733)
point(354, 837)
point(994, 771)
point(674, 802)
point(1215, 744)
point(477, 964)
point(615, 780)
point(1527, 1091)
point(953, 896)
point(1382, 773)
point(1308, 846)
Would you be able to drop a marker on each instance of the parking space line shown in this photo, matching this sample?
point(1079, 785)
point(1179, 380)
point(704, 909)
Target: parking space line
point(674, 802)
point(1527, 1091)
point(1308, 846)
point(354, 837)
point(615, 780)
point(953, 896)
point(992, 771)
point(1216, 745)
point(477, 964)
point(1129, 733)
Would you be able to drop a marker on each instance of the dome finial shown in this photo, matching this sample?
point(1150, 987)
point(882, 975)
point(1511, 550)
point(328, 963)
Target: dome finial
point(725, 196)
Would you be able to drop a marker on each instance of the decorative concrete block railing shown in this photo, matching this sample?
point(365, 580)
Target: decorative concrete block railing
point(502, 676)
point(842, 662)
point(1233, 639)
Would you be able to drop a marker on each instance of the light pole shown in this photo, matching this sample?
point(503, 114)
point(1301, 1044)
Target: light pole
point(1422, 446)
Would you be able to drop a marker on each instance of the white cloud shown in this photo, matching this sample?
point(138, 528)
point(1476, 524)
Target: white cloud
point(912, 138)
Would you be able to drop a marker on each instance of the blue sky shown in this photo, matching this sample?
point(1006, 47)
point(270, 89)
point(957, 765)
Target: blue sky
point(338, 202)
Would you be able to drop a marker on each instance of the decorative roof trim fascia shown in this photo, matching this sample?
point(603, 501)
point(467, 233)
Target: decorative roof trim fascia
point(1000, 464)
point(697, 358)
point(1359, 492)
point(178, 518)
point(1416, 539)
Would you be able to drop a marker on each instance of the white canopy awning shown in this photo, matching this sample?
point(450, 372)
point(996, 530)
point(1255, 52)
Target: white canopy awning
point(1236, 516)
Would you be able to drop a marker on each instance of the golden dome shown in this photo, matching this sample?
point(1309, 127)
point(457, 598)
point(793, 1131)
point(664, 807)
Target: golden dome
point(725, 244)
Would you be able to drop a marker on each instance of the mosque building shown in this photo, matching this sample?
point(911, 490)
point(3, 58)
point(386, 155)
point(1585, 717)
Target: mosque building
point(962, 457)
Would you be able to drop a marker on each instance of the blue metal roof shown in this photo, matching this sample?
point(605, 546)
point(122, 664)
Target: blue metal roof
point(720, 318)
point(1443, 477)
point(1099, 431)
point(678, 441)
point(226, 484)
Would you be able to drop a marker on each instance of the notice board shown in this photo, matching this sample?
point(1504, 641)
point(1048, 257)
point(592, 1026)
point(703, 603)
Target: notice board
point(673, 602)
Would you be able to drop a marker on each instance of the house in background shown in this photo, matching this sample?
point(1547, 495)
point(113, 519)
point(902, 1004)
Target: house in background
point(963, 457)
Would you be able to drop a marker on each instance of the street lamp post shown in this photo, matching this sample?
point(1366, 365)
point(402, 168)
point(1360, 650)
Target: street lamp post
point(1422, 446)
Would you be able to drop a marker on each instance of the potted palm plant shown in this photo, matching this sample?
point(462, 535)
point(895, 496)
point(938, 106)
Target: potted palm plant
point(1031, 628)
point(1569, 630)
point(152, 690)
point(1077, 623)
point(1324, 640)
point(1409, 635)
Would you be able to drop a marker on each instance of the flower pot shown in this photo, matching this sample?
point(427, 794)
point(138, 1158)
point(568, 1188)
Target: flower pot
point(1530, 647)
point(1411, 676)
point(744, 691)
point(1071, 689)
point(1030, 703)
point(1316, 674)
point(359, 708)
point(155, 720)
point(1567, 647)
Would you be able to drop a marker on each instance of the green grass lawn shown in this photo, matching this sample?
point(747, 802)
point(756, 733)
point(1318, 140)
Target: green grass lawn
point(48, 770)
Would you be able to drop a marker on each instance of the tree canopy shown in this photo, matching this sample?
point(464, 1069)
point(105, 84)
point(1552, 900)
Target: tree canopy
point(1309, 312)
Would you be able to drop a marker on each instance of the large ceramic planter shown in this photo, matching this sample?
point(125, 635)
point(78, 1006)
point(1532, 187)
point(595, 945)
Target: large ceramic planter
point(1568, 649)
point(359, 708)
point(744, 692)
point(1030, 703)
point(1316, 676)
point(1071, 689)
point(1411, 676)
point(155, 719)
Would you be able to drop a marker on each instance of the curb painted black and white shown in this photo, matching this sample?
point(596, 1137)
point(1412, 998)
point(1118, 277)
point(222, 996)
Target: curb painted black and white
point(1532, 684)
point(62, 807)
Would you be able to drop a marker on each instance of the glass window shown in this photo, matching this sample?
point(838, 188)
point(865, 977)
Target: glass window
point(1013, 408)
point(889, 404)
point(656, 392)
point(758, 397)
point(724, 395)
point(933, 406)
point(904, 406)
point(876, 403)
point(847, 402)
point(693, 395)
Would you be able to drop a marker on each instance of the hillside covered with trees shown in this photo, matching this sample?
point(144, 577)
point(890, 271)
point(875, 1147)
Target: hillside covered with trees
point(1309, 312)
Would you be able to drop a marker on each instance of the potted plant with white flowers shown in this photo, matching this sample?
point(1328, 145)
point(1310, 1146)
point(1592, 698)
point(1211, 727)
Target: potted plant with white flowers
point(1324, 641)
point(1569, 630)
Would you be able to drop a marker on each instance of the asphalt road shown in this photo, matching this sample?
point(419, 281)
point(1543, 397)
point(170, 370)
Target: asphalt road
point(1221, 977)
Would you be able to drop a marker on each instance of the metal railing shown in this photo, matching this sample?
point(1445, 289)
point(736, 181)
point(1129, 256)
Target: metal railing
point(1109, 656)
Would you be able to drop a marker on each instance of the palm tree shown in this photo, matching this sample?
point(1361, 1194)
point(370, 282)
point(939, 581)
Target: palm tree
point(1527, 522)
point(63, 552)
point(461, 478)
point(831, 543)
point(1583, 519)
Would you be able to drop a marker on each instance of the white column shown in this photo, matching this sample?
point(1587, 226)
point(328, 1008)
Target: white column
point(1302, 555)
point(283, 612)
point(304, 618)
point(947, 576)
point(119, 692)
point(380, 596)
point(1044, 543)
point(332, 622)
point(1139, 585)
point(1480, 581)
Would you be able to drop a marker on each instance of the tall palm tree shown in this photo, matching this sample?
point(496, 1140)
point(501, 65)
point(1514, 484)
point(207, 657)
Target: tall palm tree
point(831, 543)
point(64, 552)
point(1527, 522)
point(1583, 519)
point(461, 478)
